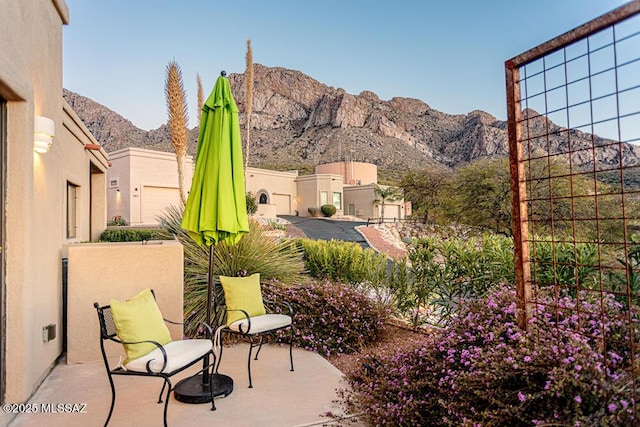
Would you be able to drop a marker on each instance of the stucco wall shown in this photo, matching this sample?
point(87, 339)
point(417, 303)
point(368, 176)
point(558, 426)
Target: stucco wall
point(279, 187)
point(310, 188)
point(35, 189)
point(363, 196)
point(136, 170)
point(99, 272)
point(353, 173)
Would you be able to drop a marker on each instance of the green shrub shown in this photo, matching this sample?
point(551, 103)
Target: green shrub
point(131, 234)
point(117, 221)
point(275, 260)
point(328, 210)
point(345, 262)
point(252, 205)
point(313, 211)
point(564, 264)
point(331, 318)
point(442, 273)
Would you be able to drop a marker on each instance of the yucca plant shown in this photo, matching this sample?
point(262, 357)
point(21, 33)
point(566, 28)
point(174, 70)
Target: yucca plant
point(277, 261)
point(178, 119)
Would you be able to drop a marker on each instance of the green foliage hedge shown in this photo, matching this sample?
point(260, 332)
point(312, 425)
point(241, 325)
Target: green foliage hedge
point(131, 234)
point(345, 262)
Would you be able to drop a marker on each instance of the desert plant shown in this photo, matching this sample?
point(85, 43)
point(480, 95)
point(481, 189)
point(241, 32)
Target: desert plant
point(345, 262)
point(331, 318)
point(566, 265)
point(313, 211)
point(442, 273)
point(386, 194)
point(275, 260)
point(178, 119)
point(252, 205)
point(328, 210)
point(484, 370)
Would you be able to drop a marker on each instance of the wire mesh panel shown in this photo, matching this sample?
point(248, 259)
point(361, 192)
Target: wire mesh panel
point(574, 137)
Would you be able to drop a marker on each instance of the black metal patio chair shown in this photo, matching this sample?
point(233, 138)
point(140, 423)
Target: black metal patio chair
point(163, 361)
point(246, 315)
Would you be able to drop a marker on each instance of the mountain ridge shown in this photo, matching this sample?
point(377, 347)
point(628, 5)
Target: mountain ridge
point(299, 122)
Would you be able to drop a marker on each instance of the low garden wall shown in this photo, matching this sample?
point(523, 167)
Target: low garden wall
point(99, 272)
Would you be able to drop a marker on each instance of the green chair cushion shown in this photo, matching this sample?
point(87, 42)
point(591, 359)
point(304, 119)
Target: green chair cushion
point(242, 293)
point(139, 319)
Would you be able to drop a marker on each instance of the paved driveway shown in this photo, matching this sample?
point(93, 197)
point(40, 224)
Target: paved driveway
point(328, 229)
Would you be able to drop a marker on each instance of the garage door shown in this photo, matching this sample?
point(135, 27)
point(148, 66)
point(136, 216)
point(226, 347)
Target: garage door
point(282, 202)
point(155, 200)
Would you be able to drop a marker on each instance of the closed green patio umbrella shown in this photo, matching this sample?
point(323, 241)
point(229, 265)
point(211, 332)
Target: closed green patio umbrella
point(216, 207)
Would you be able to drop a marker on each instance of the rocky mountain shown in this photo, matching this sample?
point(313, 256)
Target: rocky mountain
point(298, 121)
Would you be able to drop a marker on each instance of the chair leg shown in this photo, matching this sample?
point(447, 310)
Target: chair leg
point(113, 398)
point(164, 384)
point(219, 359)
point(167, 381)
point(291, 349)
point(259, 347)
point(213, 404)
point(249, 360)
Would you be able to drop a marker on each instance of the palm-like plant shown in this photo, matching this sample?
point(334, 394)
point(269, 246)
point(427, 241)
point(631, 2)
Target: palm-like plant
point(276, 260)
point(386, 194)
point(177, 110)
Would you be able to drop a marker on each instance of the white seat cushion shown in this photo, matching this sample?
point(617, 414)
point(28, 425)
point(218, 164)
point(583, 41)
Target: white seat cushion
point(263, 323)
point(179, 354)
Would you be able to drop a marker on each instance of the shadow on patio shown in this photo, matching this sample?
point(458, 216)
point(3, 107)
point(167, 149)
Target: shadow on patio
point(279, 397)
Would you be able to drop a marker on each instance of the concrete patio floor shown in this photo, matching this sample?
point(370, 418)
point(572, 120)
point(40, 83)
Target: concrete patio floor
point(278, 397)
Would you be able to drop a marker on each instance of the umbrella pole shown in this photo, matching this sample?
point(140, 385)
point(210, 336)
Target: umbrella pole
point(205, 373)
point(195, 389)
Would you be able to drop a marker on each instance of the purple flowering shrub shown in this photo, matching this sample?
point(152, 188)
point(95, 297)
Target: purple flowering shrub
point(330, 318)
point(484, 370)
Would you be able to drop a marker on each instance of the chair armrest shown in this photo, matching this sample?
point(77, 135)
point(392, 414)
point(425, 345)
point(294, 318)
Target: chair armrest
point(283, 304)
point(247, 317)
point(172, 322)
point(157, 344)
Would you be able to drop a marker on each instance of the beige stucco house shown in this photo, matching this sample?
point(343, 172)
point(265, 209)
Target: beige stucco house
point(47, 199)
point(143, 183)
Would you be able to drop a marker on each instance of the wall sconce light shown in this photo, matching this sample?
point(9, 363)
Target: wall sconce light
point(45, 131)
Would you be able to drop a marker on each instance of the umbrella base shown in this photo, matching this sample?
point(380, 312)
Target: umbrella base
point(191, 390)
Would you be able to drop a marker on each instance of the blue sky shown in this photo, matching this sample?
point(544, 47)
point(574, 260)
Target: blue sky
point(448, 53)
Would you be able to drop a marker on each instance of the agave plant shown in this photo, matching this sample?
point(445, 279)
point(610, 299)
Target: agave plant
point(277, 261)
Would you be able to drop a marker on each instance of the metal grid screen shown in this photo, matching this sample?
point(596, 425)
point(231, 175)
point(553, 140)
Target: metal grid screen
point(574, 137)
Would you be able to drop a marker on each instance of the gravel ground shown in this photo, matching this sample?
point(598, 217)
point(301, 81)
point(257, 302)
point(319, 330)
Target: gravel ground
point(394, 339)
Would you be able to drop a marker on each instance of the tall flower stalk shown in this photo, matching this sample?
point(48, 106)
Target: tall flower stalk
point(200, 96)
point(178, 118)
point(248, 76)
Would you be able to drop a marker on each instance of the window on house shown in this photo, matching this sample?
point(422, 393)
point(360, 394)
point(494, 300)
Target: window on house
point(337, 200)
point(324, 198)
point(72, 211)
point(263, 199)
